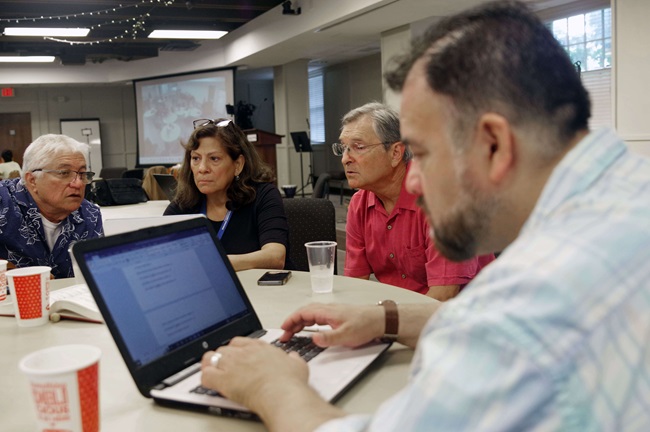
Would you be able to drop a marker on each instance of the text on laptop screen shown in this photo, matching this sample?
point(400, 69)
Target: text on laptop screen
point(176, 279)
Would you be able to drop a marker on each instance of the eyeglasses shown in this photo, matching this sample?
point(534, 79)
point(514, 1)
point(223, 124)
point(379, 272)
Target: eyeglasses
point(355, 149)
point(70, 175)
point(216, 122)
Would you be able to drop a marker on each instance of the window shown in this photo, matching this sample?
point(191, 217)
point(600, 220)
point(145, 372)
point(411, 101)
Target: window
point(587, 38)
point(316, 109)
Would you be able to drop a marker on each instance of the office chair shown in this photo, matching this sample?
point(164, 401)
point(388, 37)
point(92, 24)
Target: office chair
point(151, 186)
point(111, 173)
point(137, 173)
point(321, 188)
point(339, 178)
point(310, 219)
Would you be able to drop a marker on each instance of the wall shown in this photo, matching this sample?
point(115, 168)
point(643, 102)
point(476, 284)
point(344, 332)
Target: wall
point(347, 86)
point(113, 104)
point(631, 71)
point(258, 92)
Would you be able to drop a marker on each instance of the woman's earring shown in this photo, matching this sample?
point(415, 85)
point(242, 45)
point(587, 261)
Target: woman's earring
point(237, 177)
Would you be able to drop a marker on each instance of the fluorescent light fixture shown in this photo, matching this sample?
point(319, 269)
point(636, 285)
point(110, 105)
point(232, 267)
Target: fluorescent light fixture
point(46, 31)
point(186, 34)
point(26, 59)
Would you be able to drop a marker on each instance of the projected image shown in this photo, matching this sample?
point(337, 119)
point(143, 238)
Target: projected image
point(167, 106)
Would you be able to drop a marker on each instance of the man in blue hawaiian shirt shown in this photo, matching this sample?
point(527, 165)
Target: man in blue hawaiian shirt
point(44, 212)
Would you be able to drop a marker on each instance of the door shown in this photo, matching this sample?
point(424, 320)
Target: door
point(15, 133)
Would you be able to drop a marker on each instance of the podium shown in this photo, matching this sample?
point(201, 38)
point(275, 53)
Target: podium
point(264, 143)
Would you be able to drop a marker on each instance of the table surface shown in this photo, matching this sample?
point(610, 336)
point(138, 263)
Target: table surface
point(149, 208)
point(124, 409)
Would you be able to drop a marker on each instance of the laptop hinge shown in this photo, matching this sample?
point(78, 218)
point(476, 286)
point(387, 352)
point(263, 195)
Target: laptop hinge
point(180, 376)
point(257, 334)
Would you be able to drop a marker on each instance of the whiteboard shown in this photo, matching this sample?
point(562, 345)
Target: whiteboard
point(86, 131)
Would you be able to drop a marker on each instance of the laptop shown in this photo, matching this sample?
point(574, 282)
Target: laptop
point(167, 183)
point(168, 294)
point(118, 225)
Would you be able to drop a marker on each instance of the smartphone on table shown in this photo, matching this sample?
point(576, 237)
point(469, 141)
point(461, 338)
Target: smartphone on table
point(274, 277)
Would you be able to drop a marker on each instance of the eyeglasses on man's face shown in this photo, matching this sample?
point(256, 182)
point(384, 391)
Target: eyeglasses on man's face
point(353, 149)
point(216, 122)
point(69, 176)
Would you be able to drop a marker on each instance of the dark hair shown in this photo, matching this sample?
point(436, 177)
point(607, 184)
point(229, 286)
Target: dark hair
point(7, 155)
point(499, 57)
point(241, 191)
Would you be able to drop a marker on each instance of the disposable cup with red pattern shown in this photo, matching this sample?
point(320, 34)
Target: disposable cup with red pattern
point(64, 383)
point(30, 289)
point(3, 280)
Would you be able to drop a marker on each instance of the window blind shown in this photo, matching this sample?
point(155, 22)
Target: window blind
point(316, 109)
point(599, 85)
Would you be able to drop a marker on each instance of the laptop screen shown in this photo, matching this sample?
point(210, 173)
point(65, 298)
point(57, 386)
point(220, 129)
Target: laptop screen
point(164, 292)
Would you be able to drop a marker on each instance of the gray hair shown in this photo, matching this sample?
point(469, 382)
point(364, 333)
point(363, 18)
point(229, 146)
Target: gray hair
point(385, 123)
point(47, 148)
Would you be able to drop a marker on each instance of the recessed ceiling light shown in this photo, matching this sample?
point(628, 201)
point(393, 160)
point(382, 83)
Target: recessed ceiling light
point(26, 59)
point(46, 31)
point(186, 34)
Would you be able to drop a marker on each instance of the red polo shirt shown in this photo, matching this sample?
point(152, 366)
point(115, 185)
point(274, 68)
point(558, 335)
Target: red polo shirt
point(397, 247)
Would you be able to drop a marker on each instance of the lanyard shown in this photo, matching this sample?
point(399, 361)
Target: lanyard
point(224, 224)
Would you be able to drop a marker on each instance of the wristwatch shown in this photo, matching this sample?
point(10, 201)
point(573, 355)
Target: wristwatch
point(392, 320)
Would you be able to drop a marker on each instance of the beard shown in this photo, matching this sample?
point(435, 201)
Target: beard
point(459, 232)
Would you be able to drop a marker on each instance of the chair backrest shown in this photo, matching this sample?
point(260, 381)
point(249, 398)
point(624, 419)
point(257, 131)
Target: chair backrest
point(320, 188)
point(310, 219)
point(134, 173)
point(151, 186)
point(111, 172)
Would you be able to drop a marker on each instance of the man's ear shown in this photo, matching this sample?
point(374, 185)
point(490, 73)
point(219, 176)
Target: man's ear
point(497, 146)
point(30, 181)
point(397, 153)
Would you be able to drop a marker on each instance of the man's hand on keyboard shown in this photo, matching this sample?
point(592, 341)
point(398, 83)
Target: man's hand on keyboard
point(352, 325)
point(265, 379)
point(248, 367)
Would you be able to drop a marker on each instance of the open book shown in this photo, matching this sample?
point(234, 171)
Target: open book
point(73, 302)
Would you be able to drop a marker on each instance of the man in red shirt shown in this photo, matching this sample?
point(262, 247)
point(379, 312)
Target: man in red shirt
point(387, 233)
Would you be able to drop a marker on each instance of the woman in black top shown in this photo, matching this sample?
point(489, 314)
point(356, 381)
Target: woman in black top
point(223, 177)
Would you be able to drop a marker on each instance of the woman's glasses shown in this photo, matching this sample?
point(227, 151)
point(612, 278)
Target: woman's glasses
point(216, 122)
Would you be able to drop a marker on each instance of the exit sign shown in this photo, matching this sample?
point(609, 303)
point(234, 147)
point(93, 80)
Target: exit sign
point(7, 92)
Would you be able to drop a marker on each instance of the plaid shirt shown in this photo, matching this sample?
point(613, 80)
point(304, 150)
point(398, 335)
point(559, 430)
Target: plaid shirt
point(22, 239)
point(555, 334)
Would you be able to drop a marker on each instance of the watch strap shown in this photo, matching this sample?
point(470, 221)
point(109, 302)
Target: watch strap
point(392, 320)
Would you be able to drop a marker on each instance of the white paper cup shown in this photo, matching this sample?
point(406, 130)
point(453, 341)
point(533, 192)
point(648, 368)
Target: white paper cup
point(3, 280)
point(64, 383)
point(321, 256)
point(30, 288)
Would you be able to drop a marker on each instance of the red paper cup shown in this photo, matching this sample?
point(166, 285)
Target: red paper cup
point(3, 280)
point(30, 289)
point(64, 384)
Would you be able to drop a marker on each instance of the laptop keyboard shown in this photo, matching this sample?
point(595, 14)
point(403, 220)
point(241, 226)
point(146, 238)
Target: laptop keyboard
point(300, 344)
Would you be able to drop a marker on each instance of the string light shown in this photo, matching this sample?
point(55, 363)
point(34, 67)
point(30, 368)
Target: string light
point(138, 26)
